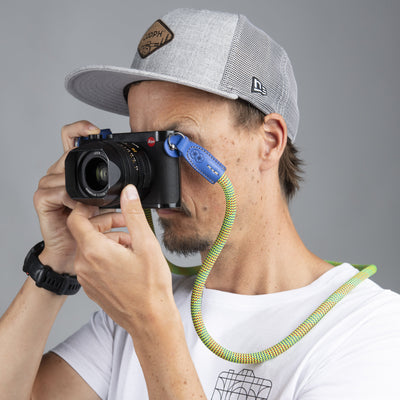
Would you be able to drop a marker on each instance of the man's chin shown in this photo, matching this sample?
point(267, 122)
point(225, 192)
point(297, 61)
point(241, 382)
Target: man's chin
point(186, 245)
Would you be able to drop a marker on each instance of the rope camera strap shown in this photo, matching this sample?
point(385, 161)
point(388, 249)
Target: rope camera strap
point(214, 171)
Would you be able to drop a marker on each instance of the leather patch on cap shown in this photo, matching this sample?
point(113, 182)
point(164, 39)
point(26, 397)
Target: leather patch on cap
point(155, 37)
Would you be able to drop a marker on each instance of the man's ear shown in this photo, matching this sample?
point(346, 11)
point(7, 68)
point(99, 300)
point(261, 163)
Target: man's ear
point(274, 139)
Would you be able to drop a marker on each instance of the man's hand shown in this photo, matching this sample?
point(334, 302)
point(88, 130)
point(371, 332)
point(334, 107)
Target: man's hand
point(125, 273)
point(128, 276)
point(53, 205)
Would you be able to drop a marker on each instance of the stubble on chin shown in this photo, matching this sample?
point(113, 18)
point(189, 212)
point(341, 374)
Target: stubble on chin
point(182, 245)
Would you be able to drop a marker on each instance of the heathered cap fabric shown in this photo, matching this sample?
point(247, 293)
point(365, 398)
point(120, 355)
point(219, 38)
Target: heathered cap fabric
point(217, 52)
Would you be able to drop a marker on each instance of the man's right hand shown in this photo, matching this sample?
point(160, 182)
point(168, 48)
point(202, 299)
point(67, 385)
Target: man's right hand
point(53, 205)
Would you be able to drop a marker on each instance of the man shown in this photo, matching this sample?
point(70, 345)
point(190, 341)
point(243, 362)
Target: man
point(228, 87)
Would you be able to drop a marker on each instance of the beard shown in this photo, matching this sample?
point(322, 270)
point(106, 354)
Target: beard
point(185, 246)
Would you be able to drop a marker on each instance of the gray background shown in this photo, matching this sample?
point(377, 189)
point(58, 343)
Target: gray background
point(346, 59)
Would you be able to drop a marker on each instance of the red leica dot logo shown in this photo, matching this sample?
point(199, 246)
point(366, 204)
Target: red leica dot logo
point(151, 141)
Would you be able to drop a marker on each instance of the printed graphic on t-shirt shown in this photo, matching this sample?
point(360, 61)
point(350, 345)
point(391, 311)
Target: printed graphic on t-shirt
point(243, 385)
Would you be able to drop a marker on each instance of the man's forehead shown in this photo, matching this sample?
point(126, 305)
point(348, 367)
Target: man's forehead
point(168, 106)
point(170, 89)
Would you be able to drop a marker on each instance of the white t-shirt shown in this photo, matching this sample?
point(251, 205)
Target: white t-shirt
point(352, 353)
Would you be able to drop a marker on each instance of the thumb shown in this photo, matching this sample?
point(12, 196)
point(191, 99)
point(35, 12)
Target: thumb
point(133, 213)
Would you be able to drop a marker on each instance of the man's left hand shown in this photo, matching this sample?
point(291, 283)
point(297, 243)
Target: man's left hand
point(126, 274)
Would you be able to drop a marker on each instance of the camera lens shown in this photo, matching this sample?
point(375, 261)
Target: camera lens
point(105, 168)
point(96, 174)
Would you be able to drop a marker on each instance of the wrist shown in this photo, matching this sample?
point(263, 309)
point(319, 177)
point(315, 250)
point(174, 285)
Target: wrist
point(45, 277)
point(59, 263)
point(162, 320)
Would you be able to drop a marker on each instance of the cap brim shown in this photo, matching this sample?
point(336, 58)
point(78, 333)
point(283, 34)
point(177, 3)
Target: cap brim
point(102, 86)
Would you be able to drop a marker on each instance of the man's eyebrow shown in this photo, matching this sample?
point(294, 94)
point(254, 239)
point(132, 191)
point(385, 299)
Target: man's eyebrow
point(173, 127)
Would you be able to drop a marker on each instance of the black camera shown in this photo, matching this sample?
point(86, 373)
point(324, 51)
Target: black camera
point(102, 165)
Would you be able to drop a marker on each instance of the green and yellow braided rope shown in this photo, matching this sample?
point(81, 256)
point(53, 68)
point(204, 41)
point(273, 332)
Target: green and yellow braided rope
point(204, 270)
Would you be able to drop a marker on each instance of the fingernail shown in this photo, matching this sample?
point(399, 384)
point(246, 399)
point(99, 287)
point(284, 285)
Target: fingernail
point(131, 193)
point(93, 128)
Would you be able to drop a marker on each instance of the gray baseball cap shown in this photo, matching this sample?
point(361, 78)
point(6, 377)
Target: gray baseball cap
point(217, 52)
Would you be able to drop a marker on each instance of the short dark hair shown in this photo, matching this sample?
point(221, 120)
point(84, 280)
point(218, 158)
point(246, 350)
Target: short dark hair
point(290, 165)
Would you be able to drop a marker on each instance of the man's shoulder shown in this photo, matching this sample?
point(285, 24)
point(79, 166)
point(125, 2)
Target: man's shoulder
point(375, 295)
point(372, 309)
point(368, 310)
point(368, 291)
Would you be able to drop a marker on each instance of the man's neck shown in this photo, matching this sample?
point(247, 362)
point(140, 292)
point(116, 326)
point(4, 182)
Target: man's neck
point(267, 257)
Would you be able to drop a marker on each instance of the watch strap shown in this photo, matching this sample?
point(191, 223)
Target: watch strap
point(45, 277)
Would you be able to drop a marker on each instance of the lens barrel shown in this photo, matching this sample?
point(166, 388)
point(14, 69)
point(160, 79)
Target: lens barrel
point(106, 168)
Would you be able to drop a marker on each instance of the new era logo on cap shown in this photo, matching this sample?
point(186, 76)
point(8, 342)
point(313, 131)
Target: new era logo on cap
point(258, 87)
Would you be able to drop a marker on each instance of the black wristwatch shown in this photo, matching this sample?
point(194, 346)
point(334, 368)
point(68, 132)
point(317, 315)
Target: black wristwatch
point(45, 277)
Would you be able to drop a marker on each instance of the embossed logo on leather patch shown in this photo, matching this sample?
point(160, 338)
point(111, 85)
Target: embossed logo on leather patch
point(157, 36)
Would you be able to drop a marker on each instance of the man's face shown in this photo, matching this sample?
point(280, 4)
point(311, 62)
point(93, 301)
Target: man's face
point(207, 120)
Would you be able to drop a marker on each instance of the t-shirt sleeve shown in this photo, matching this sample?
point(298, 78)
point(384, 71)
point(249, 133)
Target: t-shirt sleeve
point(364, 365)
point(89, 352)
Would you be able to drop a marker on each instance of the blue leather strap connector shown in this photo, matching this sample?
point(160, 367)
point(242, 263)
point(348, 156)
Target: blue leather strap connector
point(198, 157)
